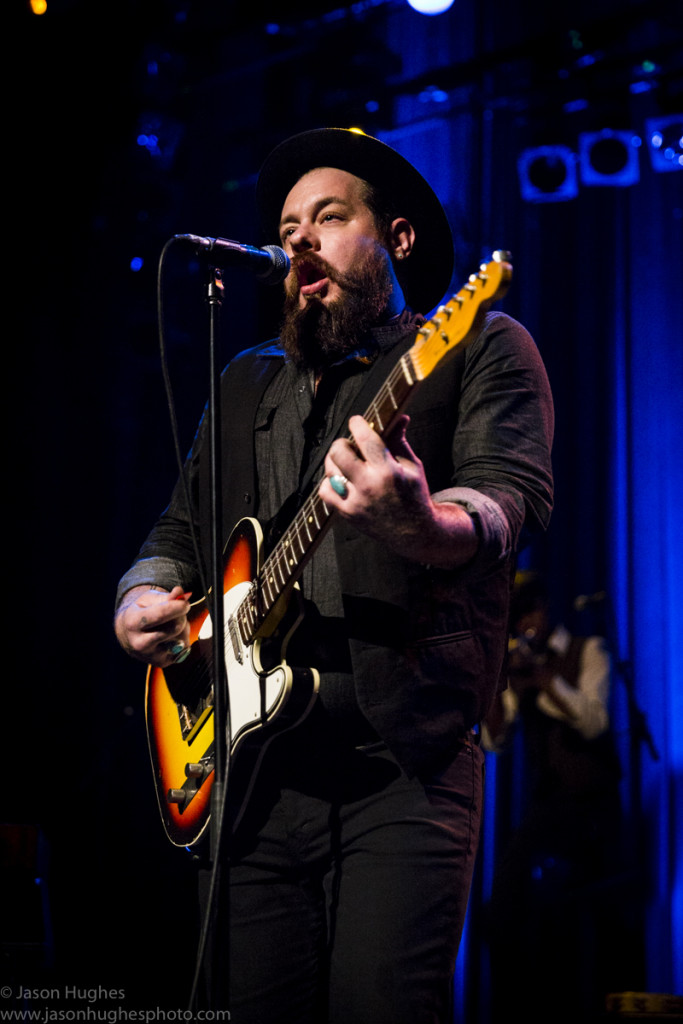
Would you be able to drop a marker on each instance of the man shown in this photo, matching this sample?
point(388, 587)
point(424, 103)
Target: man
point(350, 872)
point(558, 879)
point(565, 678)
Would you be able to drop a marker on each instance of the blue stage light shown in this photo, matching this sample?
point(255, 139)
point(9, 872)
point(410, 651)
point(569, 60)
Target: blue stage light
point(609, 157)
point(433, 94)
point(547, 174)
point(573, 106)
point(430, 6)
point(665, 142)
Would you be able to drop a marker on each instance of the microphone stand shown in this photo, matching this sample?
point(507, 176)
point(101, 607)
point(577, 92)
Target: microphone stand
point(215, 301)
point(640, 731)
point(221, 711)
point(278, 267)
point(214, 930)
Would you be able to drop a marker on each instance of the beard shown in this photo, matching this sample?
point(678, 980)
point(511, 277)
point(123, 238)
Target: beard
point(317, 334)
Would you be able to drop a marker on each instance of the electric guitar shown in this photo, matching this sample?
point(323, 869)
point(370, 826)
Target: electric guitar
point(268, 696)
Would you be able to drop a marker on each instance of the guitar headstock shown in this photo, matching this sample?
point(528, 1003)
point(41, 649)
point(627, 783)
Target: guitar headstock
point(458, 321)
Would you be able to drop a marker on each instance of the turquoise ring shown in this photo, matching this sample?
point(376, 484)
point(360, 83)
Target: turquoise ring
point(338, 485)
point(179, 651)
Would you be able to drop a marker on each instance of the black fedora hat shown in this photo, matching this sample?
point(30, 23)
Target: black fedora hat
point(425, 277)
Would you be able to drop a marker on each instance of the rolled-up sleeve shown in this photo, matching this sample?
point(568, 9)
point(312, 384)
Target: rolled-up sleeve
point(493, 529)
point(155, 572)
point(501, 448)
point(502, 469)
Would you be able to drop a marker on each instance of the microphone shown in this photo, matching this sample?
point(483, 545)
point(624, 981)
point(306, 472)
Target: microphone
point(270, 264)
point(584, 600)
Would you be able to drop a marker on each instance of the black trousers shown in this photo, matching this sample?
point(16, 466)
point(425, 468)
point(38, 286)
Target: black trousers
point(347, 889)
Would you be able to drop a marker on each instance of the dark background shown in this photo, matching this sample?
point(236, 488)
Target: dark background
point(597, 281)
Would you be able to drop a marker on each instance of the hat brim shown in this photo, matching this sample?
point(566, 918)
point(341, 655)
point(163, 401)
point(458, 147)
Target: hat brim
point(426, 276)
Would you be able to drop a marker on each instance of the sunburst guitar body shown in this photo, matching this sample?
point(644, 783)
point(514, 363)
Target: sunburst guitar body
point(180, 710)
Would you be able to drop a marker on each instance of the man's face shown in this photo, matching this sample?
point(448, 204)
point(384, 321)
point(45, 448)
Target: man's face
point(328, 232)
point(341, 281)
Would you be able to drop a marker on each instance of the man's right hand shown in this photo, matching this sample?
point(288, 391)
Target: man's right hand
point(151, 621)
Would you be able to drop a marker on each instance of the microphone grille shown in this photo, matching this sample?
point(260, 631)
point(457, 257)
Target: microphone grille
point(280, 264)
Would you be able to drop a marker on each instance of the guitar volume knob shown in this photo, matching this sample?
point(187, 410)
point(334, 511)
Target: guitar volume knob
point(176, 796)
point(195, 771)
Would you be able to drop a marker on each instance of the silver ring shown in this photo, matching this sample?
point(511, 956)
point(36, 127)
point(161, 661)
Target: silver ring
point(338, 484)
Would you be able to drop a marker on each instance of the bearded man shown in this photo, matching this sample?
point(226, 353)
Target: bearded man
point(350, 870)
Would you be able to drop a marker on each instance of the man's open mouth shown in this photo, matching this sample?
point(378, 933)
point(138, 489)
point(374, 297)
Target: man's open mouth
point(311, 276)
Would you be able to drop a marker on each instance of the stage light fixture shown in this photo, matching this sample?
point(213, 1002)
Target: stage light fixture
point(609, 157)
point(547, 174)
point(433, 94)
point(430, 6)
point(665, 142)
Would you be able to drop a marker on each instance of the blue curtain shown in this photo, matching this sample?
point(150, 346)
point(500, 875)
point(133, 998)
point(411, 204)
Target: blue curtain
point(598, 281)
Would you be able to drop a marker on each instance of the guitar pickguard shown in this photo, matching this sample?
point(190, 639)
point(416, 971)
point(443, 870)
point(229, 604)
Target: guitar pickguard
point(254, 696)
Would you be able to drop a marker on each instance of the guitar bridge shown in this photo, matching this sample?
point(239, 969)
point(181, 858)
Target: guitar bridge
point(235, 640)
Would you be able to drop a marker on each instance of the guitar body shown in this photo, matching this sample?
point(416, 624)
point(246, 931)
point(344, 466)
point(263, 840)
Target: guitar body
point(263, 702)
